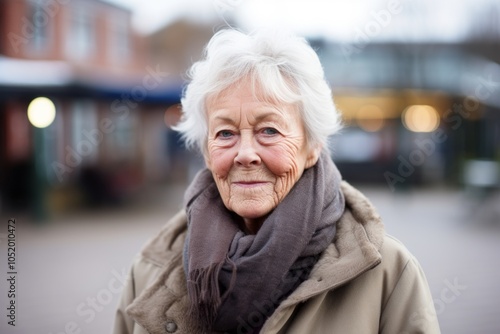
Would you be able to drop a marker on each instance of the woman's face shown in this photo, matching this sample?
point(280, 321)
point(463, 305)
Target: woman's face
point(256, 152)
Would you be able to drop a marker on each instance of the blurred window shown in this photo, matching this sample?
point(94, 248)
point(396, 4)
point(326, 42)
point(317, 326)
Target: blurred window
point(119, 39)
point(81, 36)
point(123, 140)
point(40, 23)
point(86, 137)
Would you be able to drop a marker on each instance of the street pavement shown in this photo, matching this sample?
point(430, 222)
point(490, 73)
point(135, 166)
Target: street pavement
point(71, 269)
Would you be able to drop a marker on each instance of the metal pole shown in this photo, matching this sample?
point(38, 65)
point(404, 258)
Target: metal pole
point(40, 176)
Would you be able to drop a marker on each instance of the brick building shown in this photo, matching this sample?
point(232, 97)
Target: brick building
point(108, 136)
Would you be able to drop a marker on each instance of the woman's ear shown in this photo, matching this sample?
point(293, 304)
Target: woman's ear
point(313, 155)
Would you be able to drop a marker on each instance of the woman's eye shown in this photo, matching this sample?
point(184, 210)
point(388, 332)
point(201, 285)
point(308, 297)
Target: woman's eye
point(269, 131)
point(224, 134)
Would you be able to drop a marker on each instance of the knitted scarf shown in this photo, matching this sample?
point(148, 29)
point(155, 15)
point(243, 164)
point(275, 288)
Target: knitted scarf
point(236, 280)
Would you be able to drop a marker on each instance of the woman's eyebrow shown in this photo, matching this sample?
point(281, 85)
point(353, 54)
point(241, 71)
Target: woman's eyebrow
point(265, 116)
point(270, 113)
point(220, 116)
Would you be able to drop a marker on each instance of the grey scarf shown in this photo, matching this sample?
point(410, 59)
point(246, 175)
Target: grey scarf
point(235, 281)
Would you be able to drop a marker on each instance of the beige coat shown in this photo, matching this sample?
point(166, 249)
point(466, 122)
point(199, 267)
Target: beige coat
point(365, 282)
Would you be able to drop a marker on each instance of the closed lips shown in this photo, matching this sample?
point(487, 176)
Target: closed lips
point(249, 183)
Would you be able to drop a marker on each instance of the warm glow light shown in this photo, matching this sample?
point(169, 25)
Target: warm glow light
point(41, 112)
point(370, 118)
point(420, 118)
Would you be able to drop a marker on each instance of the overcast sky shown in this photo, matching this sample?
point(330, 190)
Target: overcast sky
point(445, 20)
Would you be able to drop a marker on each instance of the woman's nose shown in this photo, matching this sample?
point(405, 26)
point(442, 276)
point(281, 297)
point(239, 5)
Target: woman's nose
point(247, 154)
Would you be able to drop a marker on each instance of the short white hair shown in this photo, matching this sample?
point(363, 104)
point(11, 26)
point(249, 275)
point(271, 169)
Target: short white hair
point(284, 67)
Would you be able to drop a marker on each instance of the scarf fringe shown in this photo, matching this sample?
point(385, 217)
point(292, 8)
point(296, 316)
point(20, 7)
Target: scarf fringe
point(204, 294)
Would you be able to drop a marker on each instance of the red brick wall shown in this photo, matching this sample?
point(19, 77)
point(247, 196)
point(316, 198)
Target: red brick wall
point(16, 37)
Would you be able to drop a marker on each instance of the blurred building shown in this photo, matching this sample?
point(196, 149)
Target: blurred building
point(415, 113)
point(179, 44)
point(108, 136)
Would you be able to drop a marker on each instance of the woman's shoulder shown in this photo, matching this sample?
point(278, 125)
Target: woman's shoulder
point(361, 213)
point(360, 223)
point(393, 249)
point(361, 227)
point(397, 259)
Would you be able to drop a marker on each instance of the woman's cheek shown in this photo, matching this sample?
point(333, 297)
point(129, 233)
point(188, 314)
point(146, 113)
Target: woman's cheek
point(277, 161)
point(221, 160)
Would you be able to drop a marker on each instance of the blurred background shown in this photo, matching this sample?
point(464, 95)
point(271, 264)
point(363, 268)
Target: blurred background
point(90, 168)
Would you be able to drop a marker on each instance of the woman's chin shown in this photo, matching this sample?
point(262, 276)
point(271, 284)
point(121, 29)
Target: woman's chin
point(251, 207)
point(253, 214)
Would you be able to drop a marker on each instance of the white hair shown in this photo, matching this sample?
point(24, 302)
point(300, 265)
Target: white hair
point(285, 68)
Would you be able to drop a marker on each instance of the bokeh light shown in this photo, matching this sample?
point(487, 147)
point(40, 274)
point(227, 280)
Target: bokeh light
point(420, 118)
point(370, 118)
point(41, 112)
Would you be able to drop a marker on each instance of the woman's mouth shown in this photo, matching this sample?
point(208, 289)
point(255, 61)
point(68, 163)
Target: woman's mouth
point(249, 184)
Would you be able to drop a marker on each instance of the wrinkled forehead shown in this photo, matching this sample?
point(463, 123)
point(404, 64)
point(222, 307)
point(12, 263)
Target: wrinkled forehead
point(276, 91)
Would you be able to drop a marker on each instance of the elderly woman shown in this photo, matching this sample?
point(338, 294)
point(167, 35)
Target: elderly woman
point(271, 240)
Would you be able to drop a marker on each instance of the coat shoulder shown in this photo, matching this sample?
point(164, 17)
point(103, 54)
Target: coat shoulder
point(394, 252)
point(360, 214)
